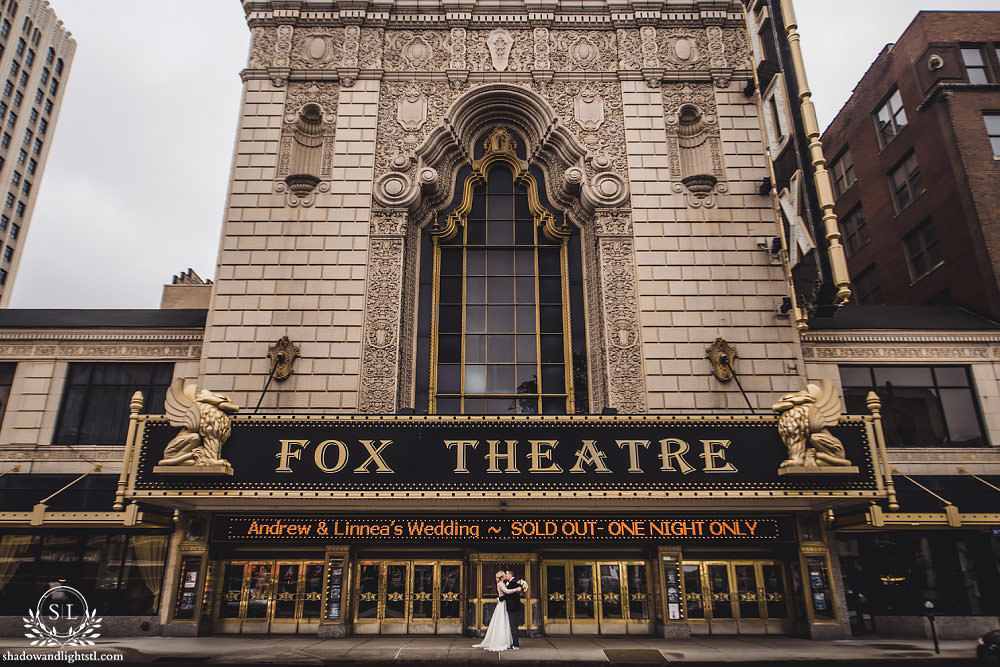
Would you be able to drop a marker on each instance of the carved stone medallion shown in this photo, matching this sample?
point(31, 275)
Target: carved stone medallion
point(589, 109)
point(412, 110)
point(500, 42)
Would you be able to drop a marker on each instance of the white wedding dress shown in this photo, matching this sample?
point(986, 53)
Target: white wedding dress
point(498, 632)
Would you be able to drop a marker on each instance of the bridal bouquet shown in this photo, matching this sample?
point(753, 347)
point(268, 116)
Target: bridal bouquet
point(524, 586)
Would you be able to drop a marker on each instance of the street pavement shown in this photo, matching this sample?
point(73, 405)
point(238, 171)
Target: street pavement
point(577, 651)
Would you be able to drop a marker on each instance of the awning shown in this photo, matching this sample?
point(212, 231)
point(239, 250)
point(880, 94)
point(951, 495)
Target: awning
point(84, 502)
point(940, 501)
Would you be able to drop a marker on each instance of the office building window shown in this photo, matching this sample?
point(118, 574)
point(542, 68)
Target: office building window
point(50, 56)
point(26, 188)
point(54, 88)
point(906, 182)
point(33, 116)
point(48, 106)
point(12, 119)
point(890, 117)
point(20, 209)
point(59, 66)
point(23, 79)
point(95, 401)
point(38, 146)
point(866, 287)
point(843, 173)
point(21, 44)
point(10, 199)
point(28, 134)
point(8, 88)
point(922, 406)
point(6, 381)
point(4, 28)
point(3, 109)
point(15, 229)
point(4, 221)
point(43, 127)
point(16, 178)
point(32, 165)
point(975, 64)
point(15, 67)
point(18, 98)
point(5, 140)
point(992, 121)
point(8, 253)
point(45, 75)
point(3, 276)
point(923, 254)
point(29, 60)
point(853, 227)
point(39, 95)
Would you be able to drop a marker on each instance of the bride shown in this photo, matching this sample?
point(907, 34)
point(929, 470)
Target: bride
point(498, 637)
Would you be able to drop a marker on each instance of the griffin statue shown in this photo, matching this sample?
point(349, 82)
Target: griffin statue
point(803, 420)
point(204, 419)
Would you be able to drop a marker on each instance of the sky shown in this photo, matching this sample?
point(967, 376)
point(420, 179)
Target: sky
point(135, 186)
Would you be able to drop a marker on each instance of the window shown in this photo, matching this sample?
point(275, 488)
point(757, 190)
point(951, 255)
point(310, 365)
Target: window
point(32, 165)
point(6, 380)
point(33, 116)
point(15, 229)
point(866, 288)
point(505, 339)
point(50, 56)
point(15, 67)
point(923, 253)
point(4, 28)
point(843, 173)
point(94, 409)
point(992, 121)
point(21, 156)
point(26, 26)
point(890, 118)
point(38, 146)
point(5, 140)
point(10, 199)
point(28, 134)
point(45, 75)
point(975, 65)
point(922, 406)
point(20, 209)
point(59, 66)
point(3, 109)
point(16, 178)
point(29, 60)
point(54, 88)
point(48, 106)
point(23, 79)
point(39, 95)
point(853, 227)
point(906, 182)
point(18, 98)
point(8, 254)
point(12, 119)
point(3, 276)
point(20, 46)
point(8, 88)
point(43, 127)
point(4, 221)
point(26, 188)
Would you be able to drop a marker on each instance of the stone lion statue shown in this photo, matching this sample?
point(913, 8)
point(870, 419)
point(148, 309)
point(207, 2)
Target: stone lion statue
point(803, 420)
point(204, 419)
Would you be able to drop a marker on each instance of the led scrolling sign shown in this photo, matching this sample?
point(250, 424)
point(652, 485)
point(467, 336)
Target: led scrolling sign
point(421, 453)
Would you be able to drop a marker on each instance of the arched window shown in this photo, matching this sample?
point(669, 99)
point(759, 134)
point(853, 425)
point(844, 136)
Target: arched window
point(502, 293)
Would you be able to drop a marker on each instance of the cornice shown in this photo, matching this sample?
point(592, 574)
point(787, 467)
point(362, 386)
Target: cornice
point(879, 337)
point(110, 336)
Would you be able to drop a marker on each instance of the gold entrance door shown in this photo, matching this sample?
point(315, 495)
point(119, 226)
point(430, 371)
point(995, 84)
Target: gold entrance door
point(736, 597)
point(596, 597)
point(408, 597)
point(259, 597)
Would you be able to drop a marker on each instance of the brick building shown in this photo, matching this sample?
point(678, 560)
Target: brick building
point(915, 154)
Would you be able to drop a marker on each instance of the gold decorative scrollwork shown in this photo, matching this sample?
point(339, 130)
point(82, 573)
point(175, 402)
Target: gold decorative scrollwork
point(368, 597)
point(450, 597)
point(639, 597)
point(748, 597)
point(584, 597)
point(422, 597)
point(232, 596)
point(720, 597)
point(501, 147)
point(313, 596)
point(558, 597)
point(611, 597)
point(691, 597)
point(285, 597)
point(395, 597)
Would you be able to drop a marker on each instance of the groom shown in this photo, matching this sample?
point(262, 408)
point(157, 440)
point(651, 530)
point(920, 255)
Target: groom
point(513, 602)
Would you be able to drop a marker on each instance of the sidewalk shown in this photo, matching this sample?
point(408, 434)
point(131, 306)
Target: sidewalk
point(577, 651)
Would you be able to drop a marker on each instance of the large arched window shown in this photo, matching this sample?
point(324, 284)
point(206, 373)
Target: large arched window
point(501, 285)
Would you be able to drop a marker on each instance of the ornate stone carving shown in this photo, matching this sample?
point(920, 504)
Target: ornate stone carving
point(262, 48)
point(352, 43)
point(625, 377)
point(693, 142)
point(650, 52)
point(370, 50)
point(804, 418)
point(317, 48)
point(613, 222)
point(283, 46)
point(204, 419)
point(458, 49)
point(683, 49)
point(499, 43)
point(542, 60)
point(383, 304)
point(423, 51)
point(395, 145)
point(520, 55)
point(307, 138)
point(584, 50)
point(721, 72)
point(609, 139)
point(589, 109)
point(412, 110)
point(629, 49)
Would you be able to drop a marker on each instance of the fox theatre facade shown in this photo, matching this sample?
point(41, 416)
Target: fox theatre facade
point(396, 524)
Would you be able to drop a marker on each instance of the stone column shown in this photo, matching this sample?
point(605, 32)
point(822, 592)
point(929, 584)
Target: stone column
point(623, 366)
point(383, 307)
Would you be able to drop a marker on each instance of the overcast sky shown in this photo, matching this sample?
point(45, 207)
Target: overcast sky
point(135, 185)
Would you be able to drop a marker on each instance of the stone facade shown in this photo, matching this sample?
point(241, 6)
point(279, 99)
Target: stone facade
point(636, 115)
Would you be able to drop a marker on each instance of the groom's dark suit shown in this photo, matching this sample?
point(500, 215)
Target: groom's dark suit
point(513, 602)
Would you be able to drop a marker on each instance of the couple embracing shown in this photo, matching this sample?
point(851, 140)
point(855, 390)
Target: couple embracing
point(501, 634)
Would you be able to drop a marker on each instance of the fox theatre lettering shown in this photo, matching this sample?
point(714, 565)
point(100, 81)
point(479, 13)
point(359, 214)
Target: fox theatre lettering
point(720, 529)
point(419, 453)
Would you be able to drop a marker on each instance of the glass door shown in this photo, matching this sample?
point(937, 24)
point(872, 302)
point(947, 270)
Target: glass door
point(730, 597)
point(408, 597)
point(591, 597)
point(269, 596)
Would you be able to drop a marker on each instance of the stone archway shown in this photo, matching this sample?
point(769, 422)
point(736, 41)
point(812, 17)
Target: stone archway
point(590, 187)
